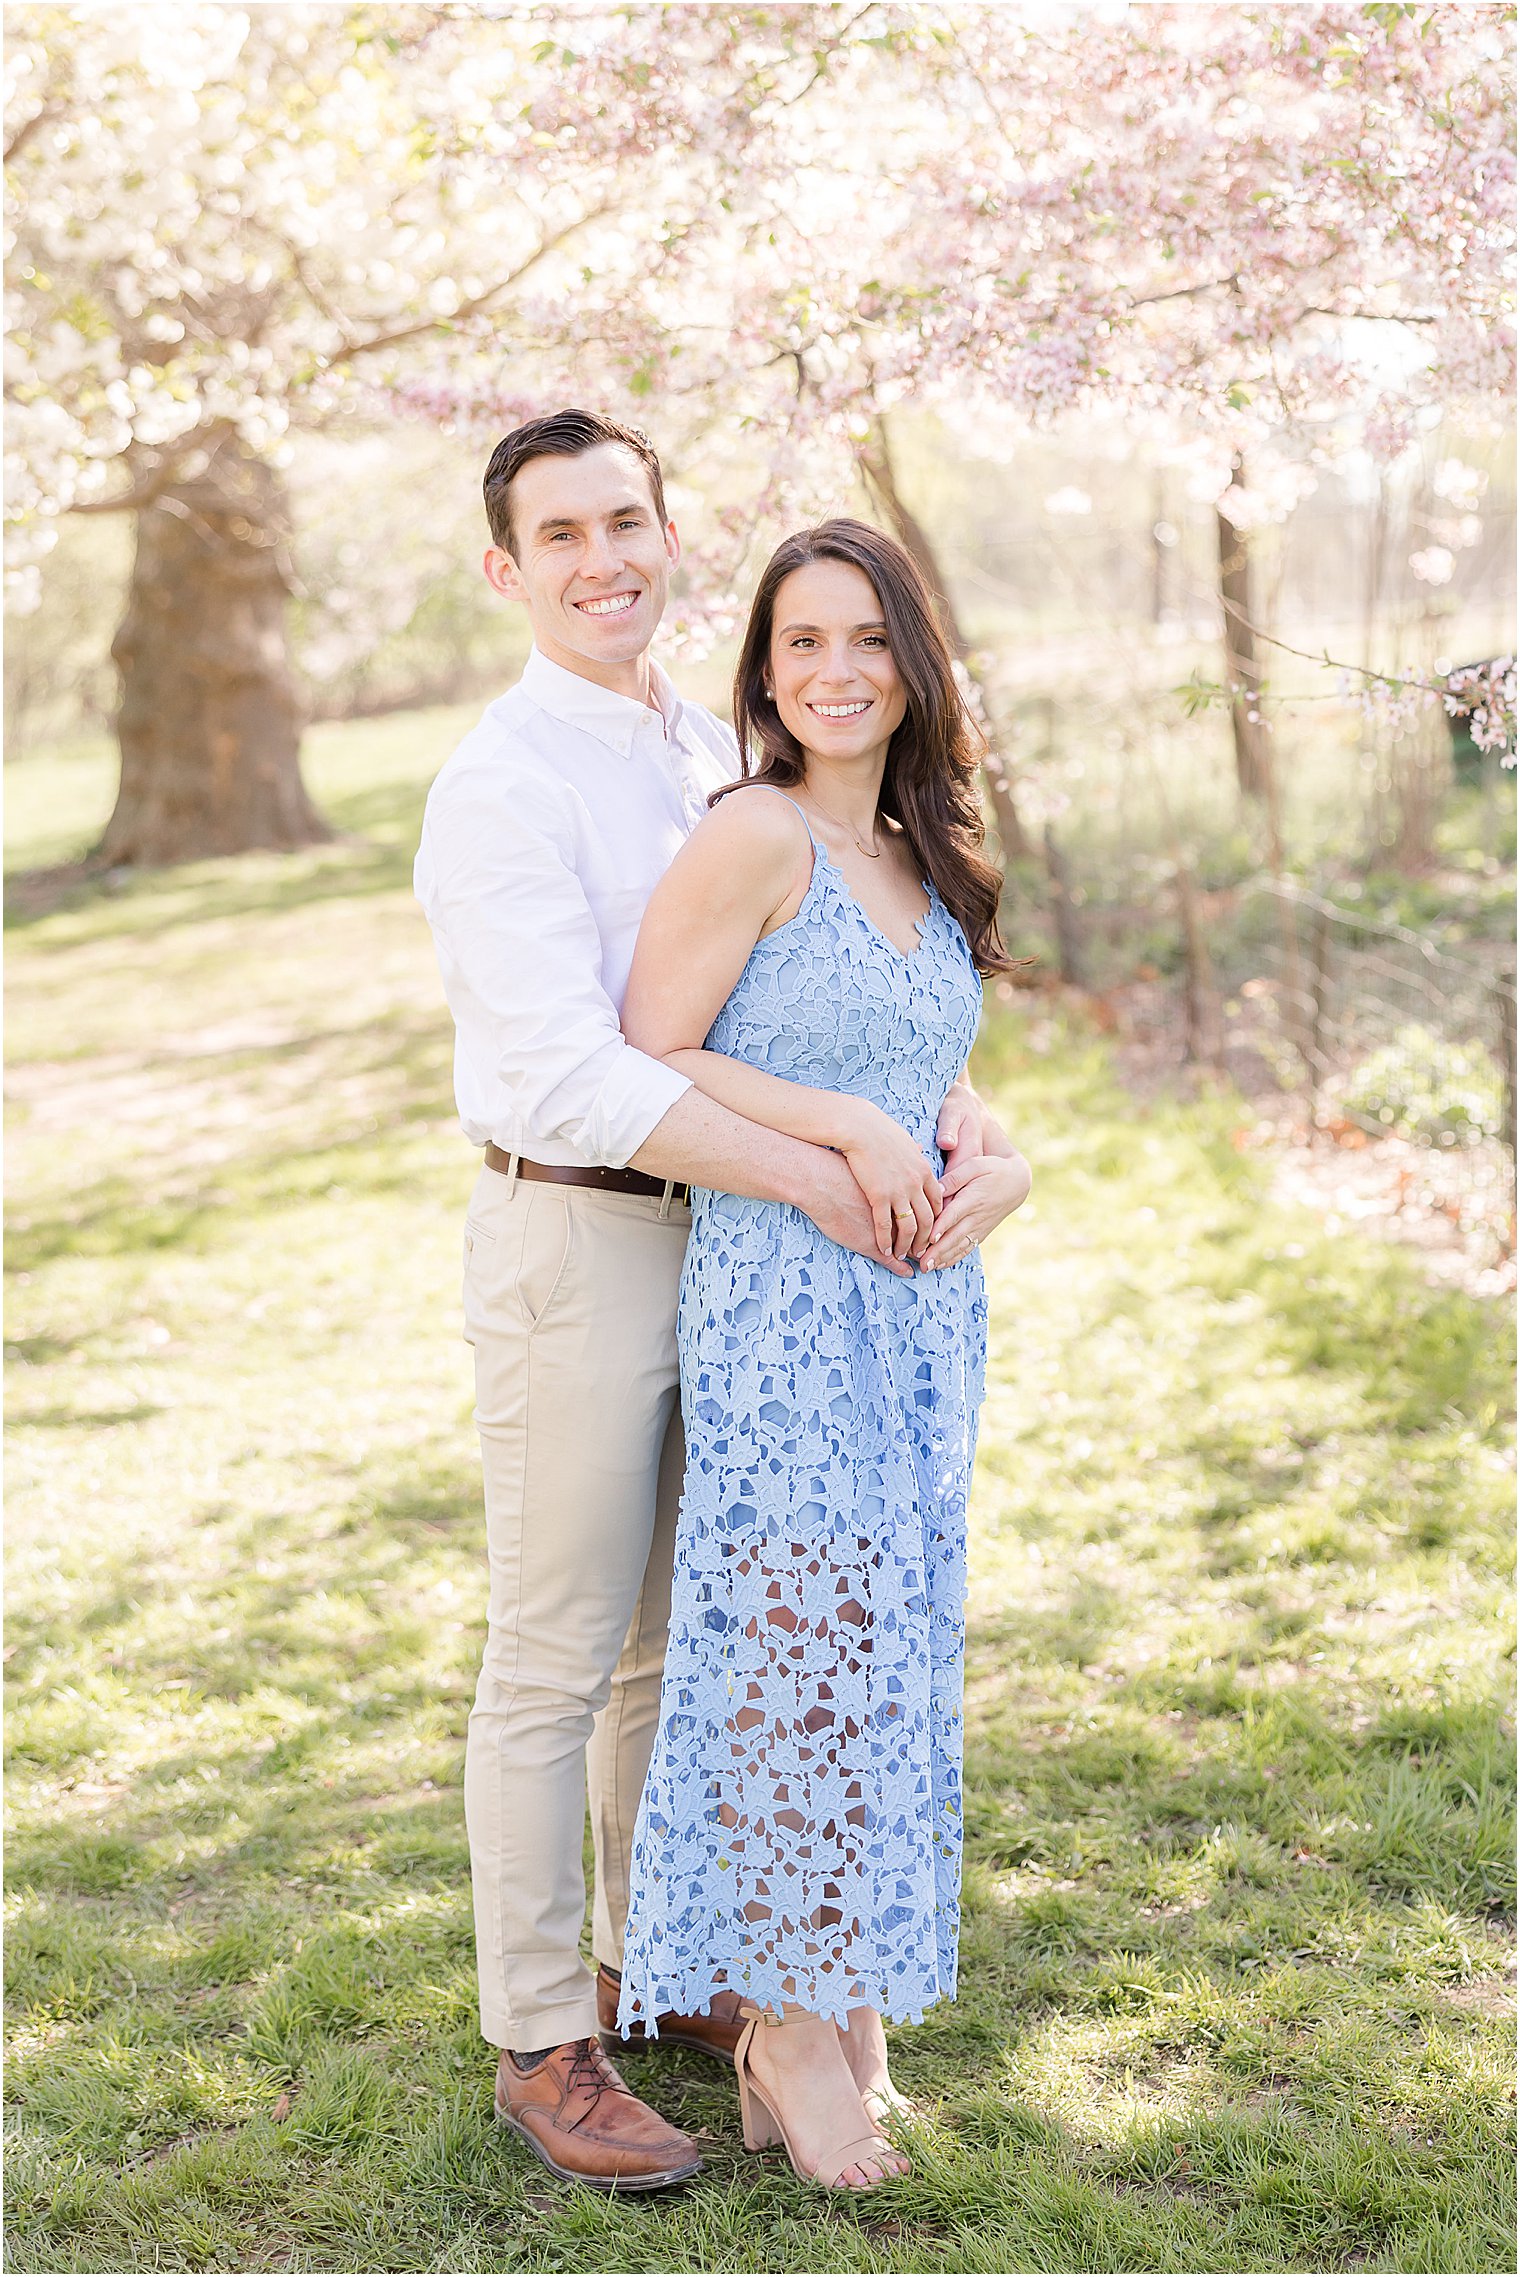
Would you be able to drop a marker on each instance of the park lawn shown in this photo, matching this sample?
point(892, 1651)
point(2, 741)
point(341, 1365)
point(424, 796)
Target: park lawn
point(1236, 1959)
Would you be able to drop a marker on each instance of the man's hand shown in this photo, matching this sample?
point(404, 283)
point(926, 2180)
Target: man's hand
point(979, 1194)
point(840, 1210)
point(895, 1176)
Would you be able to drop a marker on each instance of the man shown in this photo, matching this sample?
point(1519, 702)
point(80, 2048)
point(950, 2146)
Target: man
point(545, 834)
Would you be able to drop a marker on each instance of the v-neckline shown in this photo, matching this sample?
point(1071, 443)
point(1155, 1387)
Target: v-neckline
point(904, 956)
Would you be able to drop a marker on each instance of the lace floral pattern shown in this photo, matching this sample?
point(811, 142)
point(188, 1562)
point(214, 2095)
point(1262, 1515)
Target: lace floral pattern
point(800, 1833)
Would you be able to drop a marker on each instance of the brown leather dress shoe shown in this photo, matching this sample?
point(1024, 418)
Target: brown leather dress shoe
point(715, 2034)
point(574, 2112)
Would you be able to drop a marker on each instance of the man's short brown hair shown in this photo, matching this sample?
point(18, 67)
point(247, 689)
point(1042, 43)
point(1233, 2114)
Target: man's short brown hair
point(560, 435)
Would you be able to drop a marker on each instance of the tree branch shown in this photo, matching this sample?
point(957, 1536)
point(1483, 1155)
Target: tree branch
point(1370, 315)
point(482, 301)
point(23, 134)
point(132, 501)
point(1231, 283)
point(1323, 656)
point(1188, 292)
point(306, 281)
point(785, 102)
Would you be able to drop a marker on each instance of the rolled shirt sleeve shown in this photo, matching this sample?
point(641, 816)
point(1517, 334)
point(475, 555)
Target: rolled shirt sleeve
point(521, 958)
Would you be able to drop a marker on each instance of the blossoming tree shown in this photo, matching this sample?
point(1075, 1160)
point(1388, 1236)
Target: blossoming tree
point(1246, 227)
point(1267, 234)
point(1238, 224)
point(227, 223)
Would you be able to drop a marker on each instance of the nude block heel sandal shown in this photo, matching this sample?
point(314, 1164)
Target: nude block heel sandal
point(763, 2126)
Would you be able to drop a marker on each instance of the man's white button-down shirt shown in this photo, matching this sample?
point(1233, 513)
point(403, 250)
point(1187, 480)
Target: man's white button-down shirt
point(546, 832)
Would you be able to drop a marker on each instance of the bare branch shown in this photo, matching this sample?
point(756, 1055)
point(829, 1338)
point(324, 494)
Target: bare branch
point(1371, 315)
point(482, 302)
point(1231, 283)
point(786, 102)
point(1188, 292)
point(308, 283)
point(1323, 656)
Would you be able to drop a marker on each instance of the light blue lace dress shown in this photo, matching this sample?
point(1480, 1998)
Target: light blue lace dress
point(800, 1832)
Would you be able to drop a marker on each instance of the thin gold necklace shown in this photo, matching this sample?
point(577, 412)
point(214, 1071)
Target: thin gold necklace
point(872, 854)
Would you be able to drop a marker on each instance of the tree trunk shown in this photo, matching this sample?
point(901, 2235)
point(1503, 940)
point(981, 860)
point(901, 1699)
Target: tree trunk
point(1237, 594)
point(210, 721)
point(876, 465)
point(1070, 959)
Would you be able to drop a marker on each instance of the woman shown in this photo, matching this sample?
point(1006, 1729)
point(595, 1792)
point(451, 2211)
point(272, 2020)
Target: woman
point(811, 960)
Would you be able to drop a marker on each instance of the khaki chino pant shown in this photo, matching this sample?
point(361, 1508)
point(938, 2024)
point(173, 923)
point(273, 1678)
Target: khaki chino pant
point(570, 1305)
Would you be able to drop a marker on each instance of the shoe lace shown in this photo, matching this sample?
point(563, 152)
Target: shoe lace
point(590, 2069)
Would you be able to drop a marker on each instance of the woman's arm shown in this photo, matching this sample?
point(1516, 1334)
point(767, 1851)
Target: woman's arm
point(744, 870)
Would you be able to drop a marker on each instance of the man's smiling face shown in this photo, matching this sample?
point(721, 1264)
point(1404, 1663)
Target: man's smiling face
point(589, 559)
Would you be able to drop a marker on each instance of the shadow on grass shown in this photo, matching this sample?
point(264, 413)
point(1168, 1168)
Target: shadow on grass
point(1211, 2139)
point(1219, 1891)
point(1252, 2039)
point(84, 1419)
point(1268, 1778)
point(366, 1551)
point(1071, 1636)
point(1421, 1354)
point(378, 830)
point(144, 905)
point(403, 1068)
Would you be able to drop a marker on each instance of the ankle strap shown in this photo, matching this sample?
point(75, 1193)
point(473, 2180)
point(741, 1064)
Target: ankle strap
point(790, 2012)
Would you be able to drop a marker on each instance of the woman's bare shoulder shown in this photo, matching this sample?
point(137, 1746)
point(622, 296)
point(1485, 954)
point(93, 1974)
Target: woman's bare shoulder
point(754, 823)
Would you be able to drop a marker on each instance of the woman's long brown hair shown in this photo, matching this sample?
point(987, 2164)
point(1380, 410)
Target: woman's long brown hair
point(929, 785)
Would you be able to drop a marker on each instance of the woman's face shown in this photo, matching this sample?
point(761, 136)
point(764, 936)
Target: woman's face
point(831, 670)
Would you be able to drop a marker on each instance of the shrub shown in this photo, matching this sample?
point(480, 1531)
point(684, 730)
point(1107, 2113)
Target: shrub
point(1426, 1088)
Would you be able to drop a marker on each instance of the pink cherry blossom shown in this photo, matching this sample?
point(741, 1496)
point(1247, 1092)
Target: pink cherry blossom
point(1283, 231)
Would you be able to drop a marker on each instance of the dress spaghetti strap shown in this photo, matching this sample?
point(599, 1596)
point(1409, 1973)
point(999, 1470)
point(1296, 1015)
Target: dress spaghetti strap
point(753, 785)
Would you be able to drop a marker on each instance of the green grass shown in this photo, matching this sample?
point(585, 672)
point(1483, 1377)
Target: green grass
point(1239, 1856)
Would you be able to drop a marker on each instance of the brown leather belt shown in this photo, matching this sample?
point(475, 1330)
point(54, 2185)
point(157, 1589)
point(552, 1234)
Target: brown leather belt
point(569, 1174)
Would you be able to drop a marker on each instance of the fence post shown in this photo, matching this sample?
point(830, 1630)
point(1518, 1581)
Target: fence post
point(1202, 1034)
point(1319, 1003)
point(1296, 1004)
point(1502, 997)
point(1063, 912)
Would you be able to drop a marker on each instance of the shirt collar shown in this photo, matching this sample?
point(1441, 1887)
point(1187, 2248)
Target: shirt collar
point(611, 718)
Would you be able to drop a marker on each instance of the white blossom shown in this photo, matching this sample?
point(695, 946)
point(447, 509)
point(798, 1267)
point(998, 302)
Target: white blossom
point(1433, 565)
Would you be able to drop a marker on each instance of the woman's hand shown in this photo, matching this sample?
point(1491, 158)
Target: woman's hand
point(979, 1194)
point(958, 1134)
point(893, 1173)
point(968, 1128)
